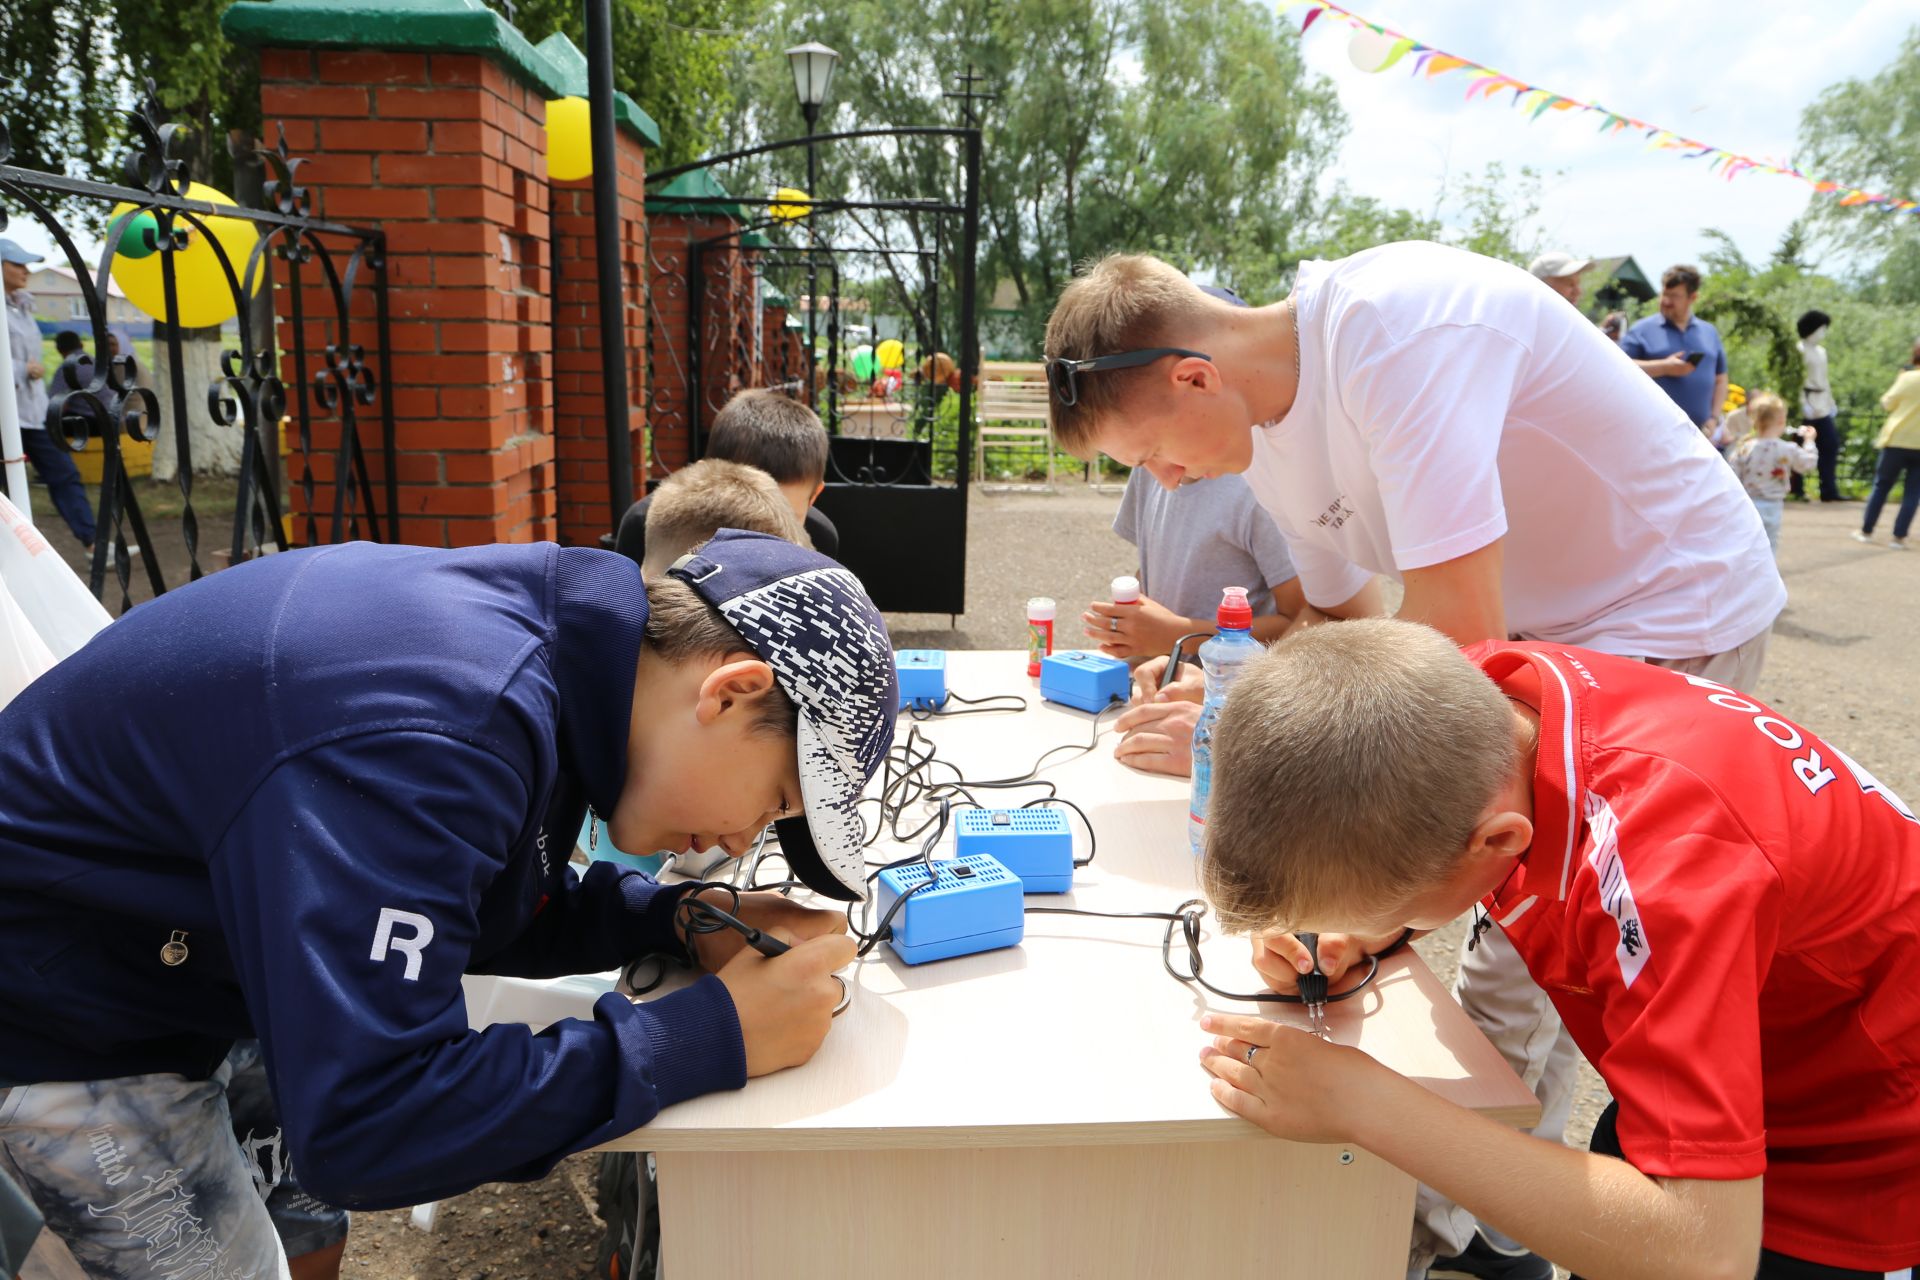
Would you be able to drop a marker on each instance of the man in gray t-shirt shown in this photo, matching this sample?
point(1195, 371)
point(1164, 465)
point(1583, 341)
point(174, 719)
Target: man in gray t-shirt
point(1193, 541)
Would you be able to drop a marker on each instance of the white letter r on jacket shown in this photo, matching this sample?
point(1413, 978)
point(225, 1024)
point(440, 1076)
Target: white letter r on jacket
point(384, 939)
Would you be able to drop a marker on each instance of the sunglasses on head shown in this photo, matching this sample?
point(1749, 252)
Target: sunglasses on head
point(1063, 375)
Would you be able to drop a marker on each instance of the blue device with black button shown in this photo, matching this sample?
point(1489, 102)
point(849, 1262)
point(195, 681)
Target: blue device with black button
point(1084, 679)
point(923, 677)
point(1035, 844)
point(974, 904)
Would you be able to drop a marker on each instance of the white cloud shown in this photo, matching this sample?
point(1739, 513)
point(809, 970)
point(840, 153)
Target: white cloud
point(1732, 73)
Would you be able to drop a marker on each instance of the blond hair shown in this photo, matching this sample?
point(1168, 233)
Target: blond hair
point(682, 627)
point(1124, 302)
point(700, 499)
point(1351, 764)
point(1761, 409)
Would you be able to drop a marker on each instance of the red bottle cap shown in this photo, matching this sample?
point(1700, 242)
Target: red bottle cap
point(1235, 613)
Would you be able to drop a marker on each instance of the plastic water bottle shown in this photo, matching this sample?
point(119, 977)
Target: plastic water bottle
point(1223, 658)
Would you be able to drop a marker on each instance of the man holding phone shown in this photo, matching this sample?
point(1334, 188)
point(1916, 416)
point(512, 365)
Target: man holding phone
point(1681, 352)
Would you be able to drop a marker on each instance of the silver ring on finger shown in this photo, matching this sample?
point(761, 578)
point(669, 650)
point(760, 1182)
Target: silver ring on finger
point(1251, 1050)
point(1113, 624)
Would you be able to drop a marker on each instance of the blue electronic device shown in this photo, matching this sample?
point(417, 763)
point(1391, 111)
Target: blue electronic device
point(1084, 679)
point(1035, 844)
point(975, 904)
point(923, 677)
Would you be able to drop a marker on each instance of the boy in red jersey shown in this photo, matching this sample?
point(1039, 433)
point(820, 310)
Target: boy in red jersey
point(1722, 906)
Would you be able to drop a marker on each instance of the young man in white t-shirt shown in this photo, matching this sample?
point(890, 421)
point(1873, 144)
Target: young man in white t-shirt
point(1445, 420)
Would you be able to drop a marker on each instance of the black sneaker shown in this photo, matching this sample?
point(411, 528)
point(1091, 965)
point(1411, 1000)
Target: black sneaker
point(1481, 1261)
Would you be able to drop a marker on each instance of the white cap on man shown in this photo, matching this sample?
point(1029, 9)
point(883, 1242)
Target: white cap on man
point(1552, 266)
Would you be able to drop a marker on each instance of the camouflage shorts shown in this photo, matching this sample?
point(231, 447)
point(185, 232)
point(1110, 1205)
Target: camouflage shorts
point(163, 1178)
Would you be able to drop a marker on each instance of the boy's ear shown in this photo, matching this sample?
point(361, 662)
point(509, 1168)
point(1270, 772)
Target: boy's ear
point(1192, 373)
point(1499, 840)
point(818, 489)
point(738, 681)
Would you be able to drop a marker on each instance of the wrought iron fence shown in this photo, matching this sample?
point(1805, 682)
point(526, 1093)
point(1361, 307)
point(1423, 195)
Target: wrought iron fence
point(896, 483)
point(101, 402)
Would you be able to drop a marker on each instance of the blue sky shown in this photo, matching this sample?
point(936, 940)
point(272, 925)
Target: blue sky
point(1733, 73)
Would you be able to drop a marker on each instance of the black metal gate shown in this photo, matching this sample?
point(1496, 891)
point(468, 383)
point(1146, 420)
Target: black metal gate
point(901, 450)
point(95, 400)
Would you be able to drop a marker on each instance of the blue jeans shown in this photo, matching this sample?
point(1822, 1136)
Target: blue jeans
point(1771, 509)
point(1893, 463)
point(54, 462)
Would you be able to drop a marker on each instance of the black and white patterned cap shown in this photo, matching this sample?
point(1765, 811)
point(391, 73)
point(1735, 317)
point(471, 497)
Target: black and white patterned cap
point(811, 621)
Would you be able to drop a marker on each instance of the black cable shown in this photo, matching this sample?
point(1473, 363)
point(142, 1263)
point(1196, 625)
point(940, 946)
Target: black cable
point(695, 917)
point(698, 917)
point(1178, 655)
point(1093, 840)
point(1187, 917)
point(969, 707)
point(907, 778)
point(884, 930)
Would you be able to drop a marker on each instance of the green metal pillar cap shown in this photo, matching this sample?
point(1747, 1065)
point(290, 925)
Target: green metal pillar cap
point(427, 26)
point(572, 65)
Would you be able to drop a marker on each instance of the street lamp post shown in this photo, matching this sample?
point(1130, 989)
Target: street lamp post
point(812, 65)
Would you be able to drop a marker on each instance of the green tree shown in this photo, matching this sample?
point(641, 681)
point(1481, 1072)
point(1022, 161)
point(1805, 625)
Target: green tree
point(1351, 223)
point(46, 43)
point(201, 79)
point(1190, 128)
point(77, 65)
point(1498, 213)
point(1868, 132)
point(1756, 307)
point(676, 58)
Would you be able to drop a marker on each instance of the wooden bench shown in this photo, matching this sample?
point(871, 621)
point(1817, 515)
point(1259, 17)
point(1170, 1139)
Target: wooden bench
point(1012, 411)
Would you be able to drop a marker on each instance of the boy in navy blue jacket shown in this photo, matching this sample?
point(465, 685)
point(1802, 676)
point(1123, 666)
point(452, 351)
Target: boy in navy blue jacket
point(301, 798)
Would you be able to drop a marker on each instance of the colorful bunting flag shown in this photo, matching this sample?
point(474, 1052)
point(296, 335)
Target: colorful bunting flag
point(1431, 63)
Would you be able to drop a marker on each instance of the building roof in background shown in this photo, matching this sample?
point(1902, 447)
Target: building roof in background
point(67, 283)
point(1624, 273)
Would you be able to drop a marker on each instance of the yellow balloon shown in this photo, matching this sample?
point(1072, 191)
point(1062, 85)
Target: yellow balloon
point(793, 205)
point(891, 354)
point(569, 140)
point(200, 285)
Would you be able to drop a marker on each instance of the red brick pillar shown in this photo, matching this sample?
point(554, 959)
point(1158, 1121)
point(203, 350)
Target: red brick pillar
point(580, 392)
point(680, 215)
point(580, 422)
point(776, 365)
point(427, 122)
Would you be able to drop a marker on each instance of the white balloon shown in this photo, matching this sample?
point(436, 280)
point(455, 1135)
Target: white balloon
point(1370, 50)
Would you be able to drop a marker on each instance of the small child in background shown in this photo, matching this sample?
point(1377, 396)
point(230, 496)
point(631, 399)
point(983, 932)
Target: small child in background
point(1766, 461)
point(700, 499)
point(778, 435)
point(1193, 541)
